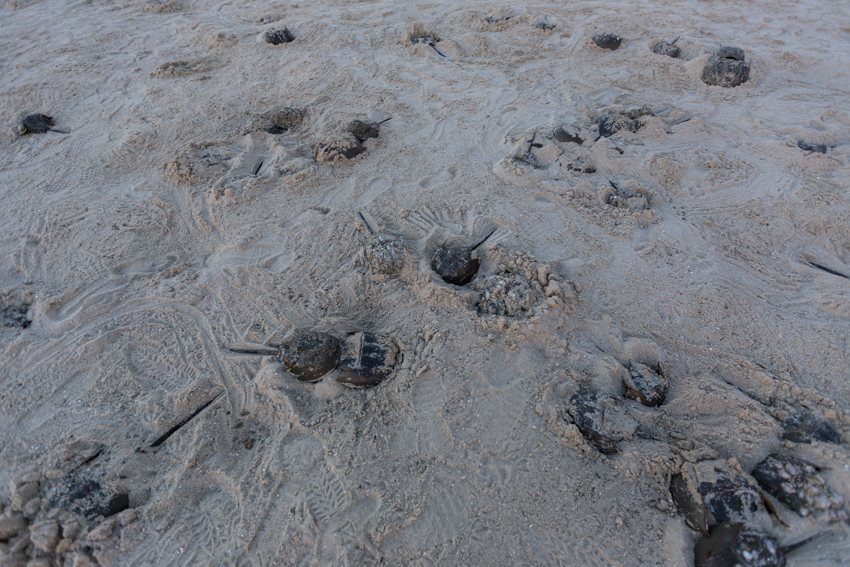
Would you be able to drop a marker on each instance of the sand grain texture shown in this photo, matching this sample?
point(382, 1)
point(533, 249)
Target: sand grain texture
point(172, 220)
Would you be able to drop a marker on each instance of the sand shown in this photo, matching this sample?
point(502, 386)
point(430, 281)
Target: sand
point(167, 224)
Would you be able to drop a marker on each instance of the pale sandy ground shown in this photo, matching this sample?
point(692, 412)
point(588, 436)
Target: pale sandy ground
point(140, 261)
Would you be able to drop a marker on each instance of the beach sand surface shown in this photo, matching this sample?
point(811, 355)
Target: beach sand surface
point(170, 218)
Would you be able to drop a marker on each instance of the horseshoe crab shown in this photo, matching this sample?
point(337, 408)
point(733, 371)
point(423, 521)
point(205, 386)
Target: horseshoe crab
point(599, 420)
point(817, 148)
point(805, 428)
point(567, 133)
point(307, 355)
point(607, 41)
point(646, 385)
point(362, 130)
point(506, 294)
point(709, 492)
point(276, 37)
point(36, 124)
point(730, 544)
point(384, 253)
point(287, 118)
point(338, 150)
point(667, 48)
point(726, 68)
point(455, 264)
point(367, 360)
point(418, 35)
point(795, 483)
point(15, 316)
point(610, 124)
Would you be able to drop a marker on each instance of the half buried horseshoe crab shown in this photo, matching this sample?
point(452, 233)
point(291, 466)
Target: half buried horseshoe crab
point(38, 124)
point(307, 355)
point(367, 360)
point(646, 385)
point(455, 264)
point(712, 492)
point(797, 484)
point(384, 253)
point(730, 543)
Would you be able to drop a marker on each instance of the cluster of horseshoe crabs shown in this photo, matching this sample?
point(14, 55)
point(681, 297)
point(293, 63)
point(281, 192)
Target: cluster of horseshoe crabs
point(362, 359)
point(727, 506)
point(512, 291)
point(722, 502)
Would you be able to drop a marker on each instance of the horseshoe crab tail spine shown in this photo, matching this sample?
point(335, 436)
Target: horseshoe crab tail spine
point(253, 349)
point(531, 142)
point(365, 222)
point(793, 546)
point(483, 240)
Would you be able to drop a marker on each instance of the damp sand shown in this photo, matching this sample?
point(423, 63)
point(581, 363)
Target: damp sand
point(173, 219)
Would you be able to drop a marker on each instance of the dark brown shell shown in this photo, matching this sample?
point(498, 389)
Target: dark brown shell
point(363, 130)
point(455, 265)
point(727, 545)
point(795, 483)
point(607, 41)
point(567, 134)
point(587, 412)
point(710, 492)
point(726, 68)
point(805, 428)
point(276, 37)
point(338, 150)
point(367, 360)
point(689, 501)
point(309, 355)
point(666, 48)
point(36, 124)
point(287, 117)
point(645, 385)
point(610, 124)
